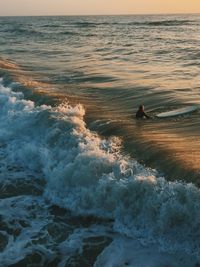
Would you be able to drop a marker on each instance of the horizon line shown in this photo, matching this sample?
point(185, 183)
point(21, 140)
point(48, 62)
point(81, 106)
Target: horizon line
point(87, 15)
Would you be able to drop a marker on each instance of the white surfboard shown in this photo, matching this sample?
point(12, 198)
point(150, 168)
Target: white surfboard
point(177, 112)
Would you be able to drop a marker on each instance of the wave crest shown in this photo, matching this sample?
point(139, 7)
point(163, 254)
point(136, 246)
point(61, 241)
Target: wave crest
point(91, 176)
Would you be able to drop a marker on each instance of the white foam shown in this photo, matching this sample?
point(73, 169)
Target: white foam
point(128, 252)
point(89, 175)
point(75, 242)
point(33, 212)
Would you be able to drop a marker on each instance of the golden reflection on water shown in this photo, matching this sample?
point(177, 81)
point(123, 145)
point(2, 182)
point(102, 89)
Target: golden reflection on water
point(179, 148)
point(171, 145)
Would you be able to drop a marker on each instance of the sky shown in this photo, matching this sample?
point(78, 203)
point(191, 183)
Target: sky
point(96, 7)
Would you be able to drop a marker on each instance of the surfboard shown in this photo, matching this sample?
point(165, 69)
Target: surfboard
point(177, 112)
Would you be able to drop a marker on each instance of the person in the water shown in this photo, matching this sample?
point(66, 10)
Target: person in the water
point(140, 113)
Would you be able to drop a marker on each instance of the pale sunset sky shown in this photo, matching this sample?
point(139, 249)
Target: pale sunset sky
point(96, 7)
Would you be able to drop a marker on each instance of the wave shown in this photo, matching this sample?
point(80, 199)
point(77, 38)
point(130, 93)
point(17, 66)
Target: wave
point(163, 23)
point(51, 26)
point(85, 24)
point(19, 29)
point(91, 176)
point(69, 33)
point(173, 22)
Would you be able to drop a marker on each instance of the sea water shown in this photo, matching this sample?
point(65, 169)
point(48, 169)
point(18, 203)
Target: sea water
point(82, 183)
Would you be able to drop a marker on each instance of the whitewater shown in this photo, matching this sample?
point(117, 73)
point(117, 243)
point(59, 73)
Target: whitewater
point(49, 157)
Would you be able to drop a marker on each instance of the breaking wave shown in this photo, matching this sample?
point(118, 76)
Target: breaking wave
point(90, 176)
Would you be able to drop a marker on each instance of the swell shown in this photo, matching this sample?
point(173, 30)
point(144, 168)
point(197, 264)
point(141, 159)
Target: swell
point(166, 23)
point(170, 22)
point(171, 145)
point(20, 30)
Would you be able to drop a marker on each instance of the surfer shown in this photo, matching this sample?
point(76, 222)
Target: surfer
point(140, 113)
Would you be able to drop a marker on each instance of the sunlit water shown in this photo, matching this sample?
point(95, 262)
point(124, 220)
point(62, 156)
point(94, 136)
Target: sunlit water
point(77, 178)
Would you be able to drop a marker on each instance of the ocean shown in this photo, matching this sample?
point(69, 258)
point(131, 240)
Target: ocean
point(82, 182)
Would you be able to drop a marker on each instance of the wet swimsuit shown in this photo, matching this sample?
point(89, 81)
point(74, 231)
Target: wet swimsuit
point(140, 114)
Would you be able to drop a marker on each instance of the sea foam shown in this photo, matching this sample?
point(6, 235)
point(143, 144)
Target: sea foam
point(91, 176)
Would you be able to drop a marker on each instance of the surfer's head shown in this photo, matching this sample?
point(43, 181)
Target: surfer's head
point(141, 107)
